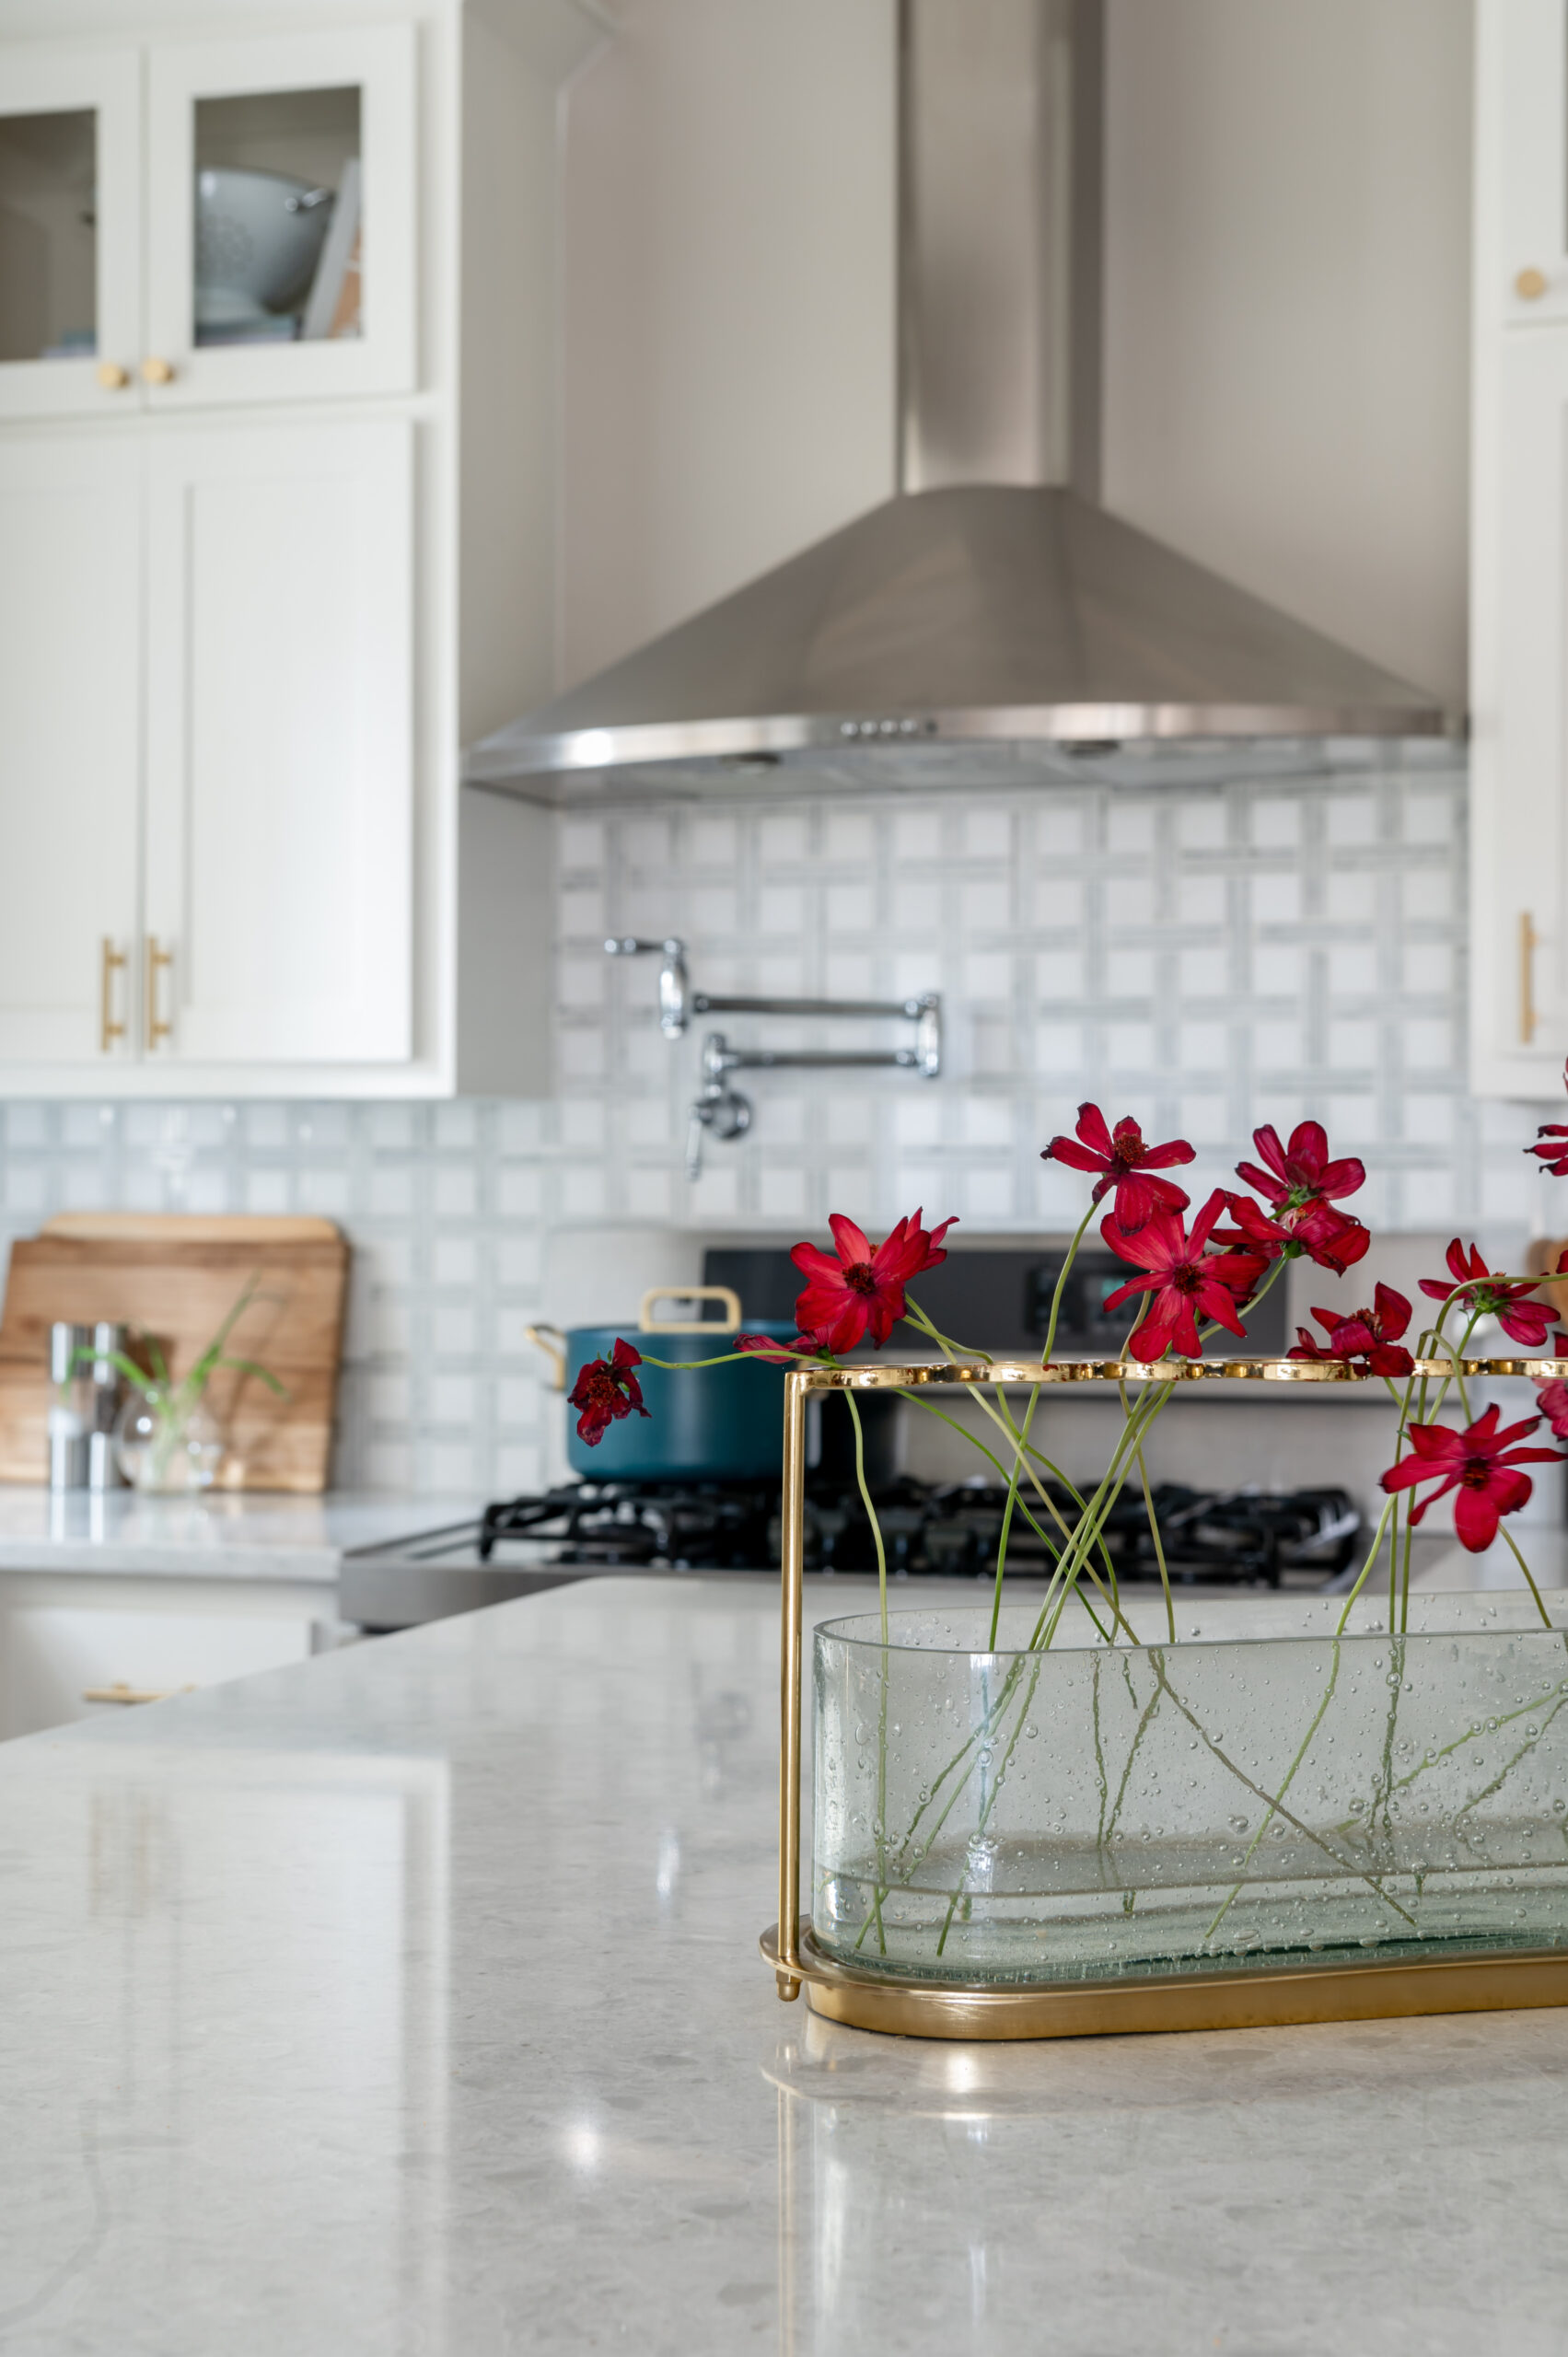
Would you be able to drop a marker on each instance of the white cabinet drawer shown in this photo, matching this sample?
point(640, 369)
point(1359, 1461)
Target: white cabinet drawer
point(54, 1657)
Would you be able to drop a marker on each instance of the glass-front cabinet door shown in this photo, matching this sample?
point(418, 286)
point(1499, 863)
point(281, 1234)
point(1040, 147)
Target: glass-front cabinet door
point(70, 232)
point(281, 217)
point(1522, 212)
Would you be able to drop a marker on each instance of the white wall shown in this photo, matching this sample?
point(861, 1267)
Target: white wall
point(1288, 191)
point(1287, 366)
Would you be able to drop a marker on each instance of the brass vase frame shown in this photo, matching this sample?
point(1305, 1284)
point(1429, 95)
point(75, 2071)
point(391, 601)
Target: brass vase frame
point(1200, 1999)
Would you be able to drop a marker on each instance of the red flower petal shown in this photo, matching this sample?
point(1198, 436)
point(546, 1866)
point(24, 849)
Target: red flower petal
point(852, 1242)
point(1093, 1133)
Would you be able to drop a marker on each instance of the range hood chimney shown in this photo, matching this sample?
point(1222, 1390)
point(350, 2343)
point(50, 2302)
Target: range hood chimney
point(992, 603)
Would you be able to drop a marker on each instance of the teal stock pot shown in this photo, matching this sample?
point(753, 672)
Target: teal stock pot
point(716, 1424)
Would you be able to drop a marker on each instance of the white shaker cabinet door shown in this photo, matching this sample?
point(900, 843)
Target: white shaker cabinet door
point(280, 732)
point(70, 746)
point(1519, 757)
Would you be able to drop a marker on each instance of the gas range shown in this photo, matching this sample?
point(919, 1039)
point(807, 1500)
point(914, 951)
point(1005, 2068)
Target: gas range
point(1302, 1539)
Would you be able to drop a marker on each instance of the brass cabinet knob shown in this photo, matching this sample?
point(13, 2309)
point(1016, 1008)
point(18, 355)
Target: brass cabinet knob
point(1530, 285)
point(112, 376)
point(158, 372)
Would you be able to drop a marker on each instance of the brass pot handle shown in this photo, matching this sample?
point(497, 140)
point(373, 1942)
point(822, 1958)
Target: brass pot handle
point(555, 1352)
point(730, 1324)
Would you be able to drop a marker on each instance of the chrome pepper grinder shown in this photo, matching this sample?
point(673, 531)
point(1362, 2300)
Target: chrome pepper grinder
point(70, 1405)
point(103, 1468)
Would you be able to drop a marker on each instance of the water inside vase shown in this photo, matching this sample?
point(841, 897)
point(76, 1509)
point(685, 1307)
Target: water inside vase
point(1010, 1817)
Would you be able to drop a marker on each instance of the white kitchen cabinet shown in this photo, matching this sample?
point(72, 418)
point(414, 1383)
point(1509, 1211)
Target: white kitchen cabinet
point(280, 731)
point(70, 729)
point(262, 586)
point(150, 255)
point(79, 1648)
point(1519, 554)
point(1520, 750)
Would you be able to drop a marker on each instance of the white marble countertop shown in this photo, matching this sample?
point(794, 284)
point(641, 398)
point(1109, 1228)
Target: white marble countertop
point(246, 1535)
point(408, 2001)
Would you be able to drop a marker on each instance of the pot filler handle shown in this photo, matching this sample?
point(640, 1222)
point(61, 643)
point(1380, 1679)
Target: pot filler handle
point(729, 1324)
point(554, 1351)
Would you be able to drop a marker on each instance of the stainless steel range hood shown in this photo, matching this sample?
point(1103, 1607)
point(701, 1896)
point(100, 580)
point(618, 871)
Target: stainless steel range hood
point(993, 604)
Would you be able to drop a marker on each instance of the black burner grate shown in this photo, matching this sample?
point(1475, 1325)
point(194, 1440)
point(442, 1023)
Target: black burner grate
point(1247, 1537)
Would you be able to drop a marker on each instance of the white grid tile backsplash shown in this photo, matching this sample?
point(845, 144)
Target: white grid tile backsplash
point(1207, 957)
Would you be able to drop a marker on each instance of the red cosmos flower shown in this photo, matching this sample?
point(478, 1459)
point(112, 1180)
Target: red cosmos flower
point(1552, 1392)
point(1186, 1280)
point(1301, 1172)
point(1331, 1238)
point(1370, 1334)
point(1480, 1464)
point(1298, 1186)
point(1124, 1163)
point(606, 1390)
point(1554, 1157)
point(857, 1287)
point(767, 1346)
point(1506, 1299)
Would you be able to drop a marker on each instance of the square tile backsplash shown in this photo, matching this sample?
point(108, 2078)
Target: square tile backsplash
point(1210, 957)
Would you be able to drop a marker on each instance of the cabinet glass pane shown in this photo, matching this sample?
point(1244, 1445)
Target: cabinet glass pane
point(48, 236)
point(278, 226)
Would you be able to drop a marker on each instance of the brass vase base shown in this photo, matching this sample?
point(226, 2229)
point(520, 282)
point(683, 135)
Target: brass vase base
point(1258, 1999)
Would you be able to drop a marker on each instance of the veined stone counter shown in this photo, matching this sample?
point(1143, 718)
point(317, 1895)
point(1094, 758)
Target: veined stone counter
point(408, 2001)
point(227, 1534)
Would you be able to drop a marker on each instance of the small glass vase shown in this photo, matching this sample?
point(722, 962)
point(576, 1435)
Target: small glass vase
point(166, 1449)
point(992, 1817)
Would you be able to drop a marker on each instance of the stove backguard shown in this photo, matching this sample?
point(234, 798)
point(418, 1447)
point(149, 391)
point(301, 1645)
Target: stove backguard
point(995, 1297)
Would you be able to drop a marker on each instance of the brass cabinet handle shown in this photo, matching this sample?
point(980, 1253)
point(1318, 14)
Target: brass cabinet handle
point(107, 1030)
point(1529, 942)
point(158, 961)
point(121, 1692)
point(1530, 285)
point(158, 372)
point(112, 376)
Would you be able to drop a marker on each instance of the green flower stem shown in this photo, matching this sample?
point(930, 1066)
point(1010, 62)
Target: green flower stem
point(1526, 1569)
point(1346, 1865)
point(1007, 1516)
point(1108, 1824)
point(1361, 1576)
point(1062, 1281)
point(1100, 1505)
point(989, 1804)
point(1020, 1443)
point(1154, 1532)
point(882, 1707)
point(1289, 1779)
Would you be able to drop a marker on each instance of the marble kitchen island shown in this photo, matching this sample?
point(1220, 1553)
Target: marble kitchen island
point(407, 2000)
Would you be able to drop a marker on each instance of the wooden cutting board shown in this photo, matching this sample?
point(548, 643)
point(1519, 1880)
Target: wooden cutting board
point(177, 1276)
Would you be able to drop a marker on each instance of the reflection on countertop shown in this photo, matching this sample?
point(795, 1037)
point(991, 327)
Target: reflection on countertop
point(226, 1534)
point(408, 2000)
